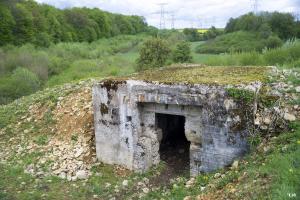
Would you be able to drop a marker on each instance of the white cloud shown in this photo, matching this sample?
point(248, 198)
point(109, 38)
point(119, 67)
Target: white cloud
point(187, 12)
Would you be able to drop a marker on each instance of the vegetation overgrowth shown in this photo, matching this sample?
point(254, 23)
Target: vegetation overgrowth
point(26, 21)
point(240, 41)
point(26, 69)
point(286, 56)
point(253, 32)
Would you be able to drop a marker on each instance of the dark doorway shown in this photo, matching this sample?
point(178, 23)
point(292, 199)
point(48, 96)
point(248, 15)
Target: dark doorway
point(174, 147)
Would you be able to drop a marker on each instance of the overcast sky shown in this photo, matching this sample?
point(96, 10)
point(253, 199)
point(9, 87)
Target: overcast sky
point(187, 13)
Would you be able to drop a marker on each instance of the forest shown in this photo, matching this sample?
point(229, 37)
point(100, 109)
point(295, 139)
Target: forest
point(41, 24)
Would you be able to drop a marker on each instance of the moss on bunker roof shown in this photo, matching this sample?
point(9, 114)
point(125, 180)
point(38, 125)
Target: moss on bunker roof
point(219, 75)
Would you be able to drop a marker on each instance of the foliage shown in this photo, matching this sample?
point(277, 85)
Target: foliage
point(240, 41)
point(7, 23)
point(21, 83)
point(240, 94)
point(29, 22)
point(282, 24)
point(191, 34)
point(153, 54)
point(287, 56)
point(182, 53)
point(66, 62)
point(211, 33)
point(273, 42)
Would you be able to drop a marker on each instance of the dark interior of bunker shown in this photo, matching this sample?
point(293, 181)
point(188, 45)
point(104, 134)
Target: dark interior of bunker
point(174, 147)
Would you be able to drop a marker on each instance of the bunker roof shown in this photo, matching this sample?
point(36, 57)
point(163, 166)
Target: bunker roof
point(215, 75)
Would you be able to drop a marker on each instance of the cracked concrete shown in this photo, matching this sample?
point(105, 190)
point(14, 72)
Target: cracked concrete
point(127, 134)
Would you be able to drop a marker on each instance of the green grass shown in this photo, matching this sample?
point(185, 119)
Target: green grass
point(66, 62)
point(202, 75)
point(240, 41)
point(287, 56)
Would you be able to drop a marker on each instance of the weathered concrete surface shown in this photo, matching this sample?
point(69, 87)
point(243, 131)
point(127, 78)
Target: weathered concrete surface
point(126, 133)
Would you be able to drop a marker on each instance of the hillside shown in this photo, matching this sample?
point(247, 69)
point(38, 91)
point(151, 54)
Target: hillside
point(26, 21)
point(48, 152)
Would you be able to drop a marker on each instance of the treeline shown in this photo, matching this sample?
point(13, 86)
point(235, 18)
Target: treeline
point(26, 21)
point(254, 32)
point(284, 25)
point(193, 35)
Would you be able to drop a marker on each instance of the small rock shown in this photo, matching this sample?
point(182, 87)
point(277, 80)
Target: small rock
point(297, 89)
point(146, 190)
point(146, 180)
point(82, 175)
point(63, 175)
point(187, 198)
point(267, 120)
point(256, 121)
point(190, 183)
point(235, 164)
point(217, 175)
point(267, 149)
point(125, 183)
point(289, 117)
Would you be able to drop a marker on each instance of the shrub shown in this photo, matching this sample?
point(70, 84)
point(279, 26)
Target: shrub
point(153, 54)
point(276, 56)
point(273, 42)
point(42, 40)
point(22, 82)
point(182, 53)
point(233, 42)
point(250, 58)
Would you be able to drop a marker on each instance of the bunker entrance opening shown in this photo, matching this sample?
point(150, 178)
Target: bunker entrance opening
point(174, 147)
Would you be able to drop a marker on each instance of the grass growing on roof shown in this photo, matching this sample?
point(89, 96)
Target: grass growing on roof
point(204, 75)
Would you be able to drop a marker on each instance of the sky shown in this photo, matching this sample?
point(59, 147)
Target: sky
point(185, 13)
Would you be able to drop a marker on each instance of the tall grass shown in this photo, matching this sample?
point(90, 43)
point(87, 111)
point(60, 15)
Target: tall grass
point(66, 62)
point(285, 56)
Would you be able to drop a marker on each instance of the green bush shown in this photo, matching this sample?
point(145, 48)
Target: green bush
point(250, 58)
point(153, 54)
point(240, 41)
point(233, 42)
point(273, 42)
point(276, 56)
point(21, 83)
point(287, 55)
point(182, 53)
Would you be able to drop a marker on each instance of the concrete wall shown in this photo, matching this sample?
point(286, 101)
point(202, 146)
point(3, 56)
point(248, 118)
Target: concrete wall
point(125, 123)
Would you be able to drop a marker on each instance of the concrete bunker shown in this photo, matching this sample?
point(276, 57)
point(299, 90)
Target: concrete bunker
point(137, 120)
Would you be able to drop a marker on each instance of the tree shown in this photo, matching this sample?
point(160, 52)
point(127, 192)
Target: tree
point(273, 42)
point(191, 34)
point(182, 53)
point(265, 30)
point(7, 23)
point(283, 24)
point(153, 54)
point(23, 30)
point(26, 21)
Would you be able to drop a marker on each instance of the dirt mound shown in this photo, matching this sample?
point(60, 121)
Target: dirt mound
point(59, 126)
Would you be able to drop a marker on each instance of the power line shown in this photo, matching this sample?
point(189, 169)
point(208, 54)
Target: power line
point(255, 6)
point(162, 23)
point(172, 20)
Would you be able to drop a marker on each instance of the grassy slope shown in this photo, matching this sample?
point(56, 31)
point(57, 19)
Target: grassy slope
point(271, 174)
point(237, 41)
point(287, 56)
point(112, 64)
point(274, 174)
